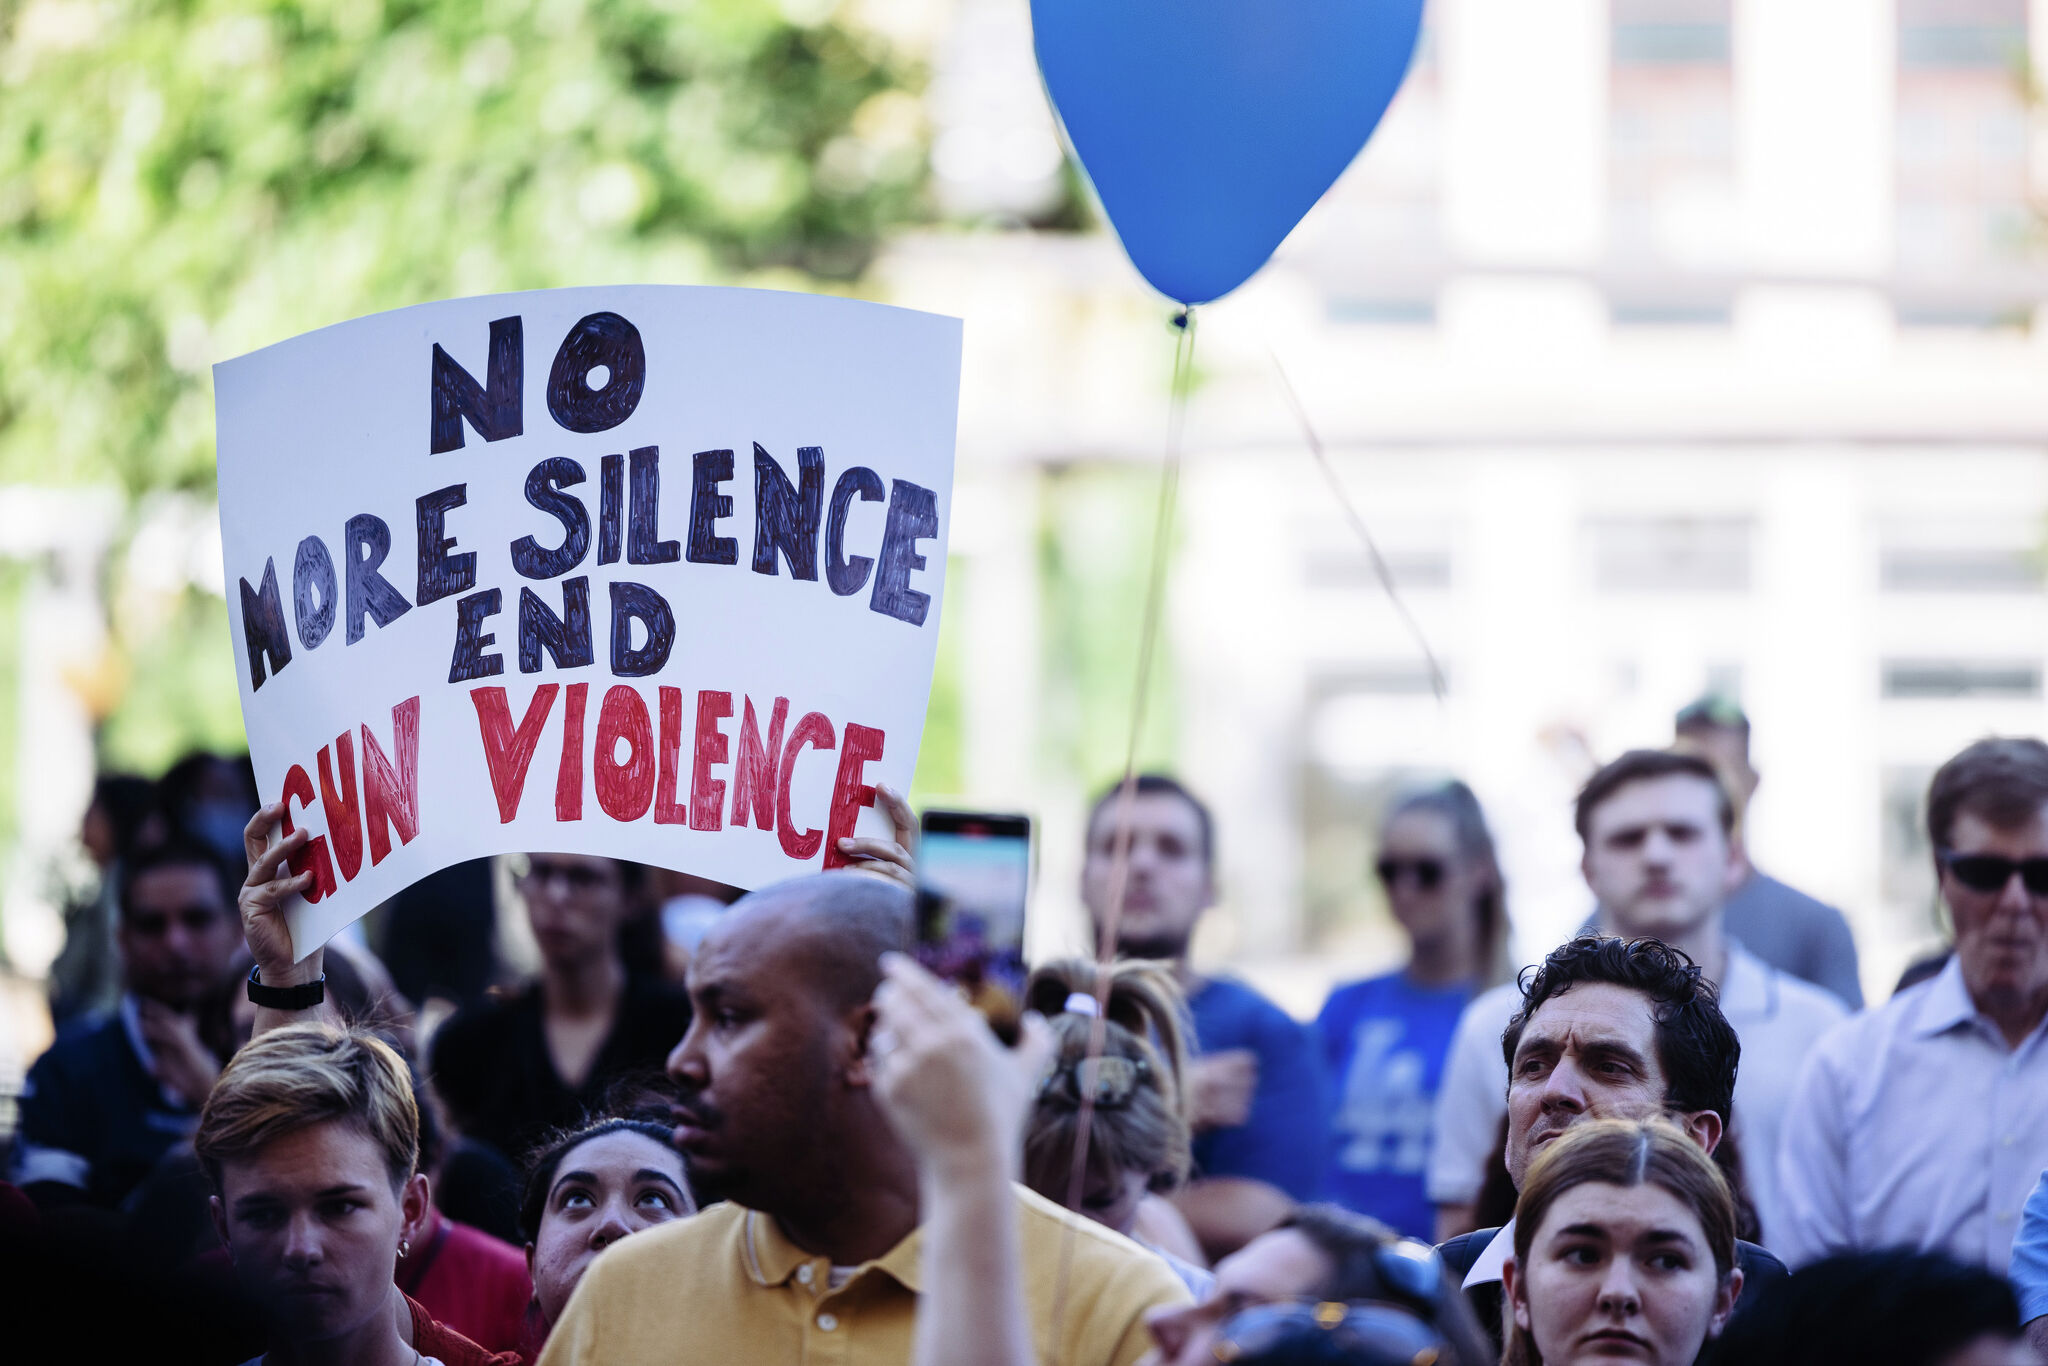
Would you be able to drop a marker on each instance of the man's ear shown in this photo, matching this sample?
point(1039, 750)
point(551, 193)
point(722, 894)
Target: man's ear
point(860, 1030)
point(1516, 1292)
point(413, 1202)
point(529, 1262)
point(1704, 1128)
point(1724, 1303)
point(220, 1223)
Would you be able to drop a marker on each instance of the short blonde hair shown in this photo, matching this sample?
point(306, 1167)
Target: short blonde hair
point(301, 1075)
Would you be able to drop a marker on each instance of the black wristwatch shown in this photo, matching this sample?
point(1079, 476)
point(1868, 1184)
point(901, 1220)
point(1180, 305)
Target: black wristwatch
point(304, 996)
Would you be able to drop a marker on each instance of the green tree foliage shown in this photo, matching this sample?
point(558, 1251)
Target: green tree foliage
point(184, 181)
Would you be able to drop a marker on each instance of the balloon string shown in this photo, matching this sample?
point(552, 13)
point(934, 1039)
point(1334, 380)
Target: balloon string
point(1120, 859)
point(1372, 550)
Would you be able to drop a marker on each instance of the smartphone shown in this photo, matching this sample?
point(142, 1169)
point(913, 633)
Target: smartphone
point(974, 875)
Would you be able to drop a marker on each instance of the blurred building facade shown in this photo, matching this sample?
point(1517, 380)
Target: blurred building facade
point(1668, 346)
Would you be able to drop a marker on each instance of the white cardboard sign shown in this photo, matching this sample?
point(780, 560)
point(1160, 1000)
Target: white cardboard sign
point(650, 572)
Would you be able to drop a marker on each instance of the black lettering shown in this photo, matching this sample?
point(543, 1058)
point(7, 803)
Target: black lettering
point(367, 542)
point(913, 515)
point(611, 507)
point(637, 600)
point(263, 626)
point(566, 637)
point(603, 339)
point(441, 575)
point(469, 660)
point(709, 469)
point(313, 592)
point(848, 576)
point(496, 410)
point(544, 485)
point(785, 519)
point(643, 514)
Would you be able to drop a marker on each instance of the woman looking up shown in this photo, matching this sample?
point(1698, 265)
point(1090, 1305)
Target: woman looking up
point(587, 1188)
point(1624, 1249)
point(1385, 1039)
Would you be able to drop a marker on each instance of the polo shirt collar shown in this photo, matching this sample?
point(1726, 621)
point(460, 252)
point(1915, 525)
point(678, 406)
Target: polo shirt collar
point(1486, 1267)
point(1946, 1004)
point(772, 1259)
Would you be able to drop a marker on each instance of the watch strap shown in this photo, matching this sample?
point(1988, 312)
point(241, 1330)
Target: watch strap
point(304, 996)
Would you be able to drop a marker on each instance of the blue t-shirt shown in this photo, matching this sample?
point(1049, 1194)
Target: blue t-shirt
point(1282, 1142)
point(1384, 1043)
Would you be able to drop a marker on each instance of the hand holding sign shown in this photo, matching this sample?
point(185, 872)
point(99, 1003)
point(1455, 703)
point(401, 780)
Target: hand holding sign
point(646, 693)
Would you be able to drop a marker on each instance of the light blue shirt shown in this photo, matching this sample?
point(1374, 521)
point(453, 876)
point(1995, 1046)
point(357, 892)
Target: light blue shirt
point(2029, 1270)
point(1914, 1125)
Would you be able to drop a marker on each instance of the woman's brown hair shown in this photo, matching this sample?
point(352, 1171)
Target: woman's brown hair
point(1622, 1152)
point(1144, 1022)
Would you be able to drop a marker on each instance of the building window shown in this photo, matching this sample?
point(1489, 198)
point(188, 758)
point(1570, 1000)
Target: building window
point(1923, 679)
point(1670, 554)
point(1962, 569)
point(1671, 159)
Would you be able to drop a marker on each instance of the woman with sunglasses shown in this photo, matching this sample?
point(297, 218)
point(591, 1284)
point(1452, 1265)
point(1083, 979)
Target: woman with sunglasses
point(1328, 1269)
point(1624, 1249)
point(512, 1067)
point(1130, 1086)
point(1385, 1039)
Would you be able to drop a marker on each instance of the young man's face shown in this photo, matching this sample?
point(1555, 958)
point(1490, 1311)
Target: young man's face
point(2002, 935)
point(1587, 1053)
point(313, 1222)
point(178, 934)
point(1657, 859)
point(1166, 885)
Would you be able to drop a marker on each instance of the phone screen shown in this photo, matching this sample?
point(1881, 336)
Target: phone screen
point(975, 868)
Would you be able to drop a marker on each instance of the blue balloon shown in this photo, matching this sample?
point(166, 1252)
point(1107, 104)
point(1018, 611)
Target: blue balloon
point(1209, 127)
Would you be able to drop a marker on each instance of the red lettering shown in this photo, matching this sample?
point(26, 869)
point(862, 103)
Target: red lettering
point(391, 796)
point(625, 791)
point(667, 810)
point(569, 780)
point(753, 773)
point(849, 794)
point(298, 783)
point(344, 813)
point(707, 794)
point(815, 730)
point(507, 752)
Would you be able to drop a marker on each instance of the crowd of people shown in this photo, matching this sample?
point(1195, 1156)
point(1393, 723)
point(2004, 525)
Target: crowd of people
point(762, 1132)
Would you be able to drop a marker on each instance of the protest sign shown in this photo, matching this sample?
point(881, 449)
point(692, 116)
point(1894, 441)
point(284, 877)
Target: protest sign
point(650, 572)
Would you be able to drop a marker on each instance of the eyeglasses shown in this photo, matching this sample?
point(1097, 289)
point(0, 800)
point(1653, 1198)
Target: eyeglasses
point(1353, 1334)
point(1108, 1083)
point(574, 877)
point(1993, 872)
point(1427, 872)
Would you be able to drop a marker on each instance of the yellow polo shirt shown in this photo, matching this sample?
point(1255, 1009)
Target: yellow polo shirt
point(726, 1287)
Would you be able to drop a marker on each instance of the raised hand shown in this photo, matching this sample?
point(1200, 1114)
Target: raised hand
point(891, 859)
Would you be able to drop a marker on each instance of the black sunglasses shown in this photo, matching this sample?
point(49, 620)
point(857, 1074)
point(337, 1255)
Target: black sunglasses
point(1427, 872)
point(1353, 1334)
point(1992, 872)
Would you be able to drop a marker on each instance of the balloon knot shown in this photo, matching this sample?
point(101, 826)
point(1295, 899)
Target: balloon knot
point(1180, 319)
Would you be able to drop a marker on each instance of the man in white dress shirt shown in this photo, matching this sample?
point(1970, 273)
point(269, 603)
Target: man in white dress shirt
point(1925, 1122)
point(1660, 860)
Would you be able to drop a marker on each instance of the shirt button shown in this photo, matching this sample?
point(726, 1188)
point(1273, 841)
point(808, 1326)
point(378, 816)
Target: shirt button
point(827, 1322)
point(803, 1273)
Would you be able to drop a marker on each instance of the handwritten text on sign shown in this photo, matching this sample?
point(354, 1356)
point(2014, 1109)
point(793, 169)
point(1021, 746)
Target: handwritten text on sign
point(651, 573)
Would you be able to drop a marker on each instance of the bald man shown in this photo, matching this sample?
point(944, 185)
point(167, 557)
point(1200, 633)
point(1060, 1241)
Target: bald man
point(815, 1252)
